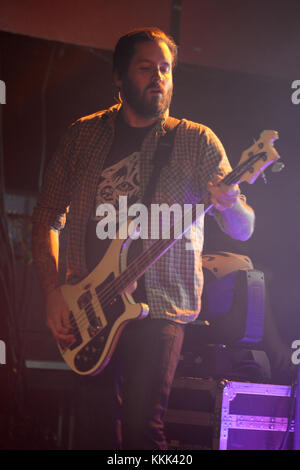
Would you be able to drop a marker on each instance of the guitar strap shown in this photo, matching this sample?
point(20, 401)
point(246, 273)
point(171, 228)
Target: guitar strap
point(161, 157)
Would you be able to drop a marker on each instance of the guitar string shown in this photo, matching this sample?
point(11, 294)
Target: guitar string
point(111, 291)
point(91, 312)
point(114, 288)
point(228, 179)
point(106, 294)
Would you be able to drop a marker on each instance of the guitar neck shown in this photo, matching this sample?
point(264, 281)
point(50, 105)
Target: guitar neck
point(234, 177)
point(158, 248)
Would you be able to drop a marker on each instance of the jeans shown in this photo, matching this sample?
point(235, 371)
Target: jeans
point(124, 406)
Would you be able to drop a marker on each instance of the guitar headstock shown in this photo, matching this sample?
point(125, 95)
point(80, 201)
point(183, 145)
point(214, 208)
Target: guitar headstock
point(258, 157)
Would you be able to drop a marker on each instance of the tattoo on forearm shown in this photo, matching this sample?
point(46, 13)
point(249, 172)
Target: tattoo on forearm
point(44, 259)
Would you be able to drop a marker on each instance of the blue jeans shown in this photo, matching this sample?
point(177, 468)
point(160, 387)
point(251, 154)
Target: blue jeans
point(124, 406)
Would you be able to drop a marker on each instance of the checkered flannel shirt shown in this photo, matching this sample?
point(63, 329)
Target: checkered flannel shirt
point(174, 283)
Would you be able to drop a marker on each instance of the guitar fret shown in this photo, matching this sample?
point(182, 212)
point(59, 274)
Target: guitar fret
point(234, 176)
point(137, 268)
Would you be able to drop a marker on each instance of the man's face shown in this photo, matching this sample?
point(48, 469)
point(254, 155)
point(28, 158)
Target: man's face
point(148, 85)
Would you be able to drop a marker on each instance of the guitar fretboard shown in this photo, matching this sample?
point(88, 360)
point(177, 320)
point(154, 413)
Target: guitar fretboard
point(142, 262)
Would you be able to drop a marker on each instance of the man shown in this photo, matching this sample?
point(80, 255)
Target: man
point(108, 154)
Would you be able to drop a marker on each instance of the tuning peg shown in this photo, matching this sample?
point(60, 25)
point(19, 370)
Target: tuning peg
point(277, 167)
point(263, 175)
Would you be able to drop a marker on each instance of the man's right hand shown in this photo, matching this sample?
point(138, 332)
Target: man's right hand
point(58, 317)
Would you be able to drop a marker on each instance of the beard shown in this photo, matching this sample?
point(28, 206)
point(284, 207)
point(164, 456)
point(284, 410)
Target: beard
point(146, 104)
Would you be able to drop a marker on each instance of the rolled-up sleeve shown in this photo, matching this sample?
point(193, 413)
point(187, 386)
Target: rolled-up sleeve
point(50, 211)
point(54, 199)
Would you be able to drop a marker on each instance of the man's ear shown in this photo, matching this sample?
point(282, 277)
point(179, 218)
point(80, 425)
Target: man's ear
point(117, 80)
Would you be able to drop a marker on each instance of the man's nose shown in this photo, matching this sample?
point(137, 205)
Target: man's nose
point(157, 74)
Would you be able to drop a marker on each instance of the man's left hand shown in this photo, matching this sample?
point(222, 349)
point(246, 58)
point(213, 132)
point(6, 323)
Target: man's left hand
point(222, 196)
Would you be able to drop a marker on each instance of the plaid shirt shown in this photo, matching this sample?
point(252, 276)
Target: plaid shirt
point(174, 283)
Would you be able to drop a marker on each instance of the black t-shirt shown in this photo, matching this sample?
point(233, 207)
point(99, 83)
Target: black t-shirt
point(120, 176)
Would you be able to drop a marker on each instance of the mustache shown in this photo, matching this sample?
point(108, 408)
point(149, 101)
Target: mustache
point(155, 86)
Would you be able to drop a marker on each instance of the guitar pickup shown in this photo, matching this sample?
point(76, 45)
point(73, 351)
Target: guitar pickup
point(95, 326)
point(84, 300)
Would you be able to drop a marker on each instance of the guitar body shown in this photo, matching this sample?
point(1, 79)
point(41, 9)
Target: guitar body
point(98, 317)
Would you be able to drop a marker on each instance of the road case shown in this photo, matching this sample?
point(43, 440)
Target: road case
point(228, 415)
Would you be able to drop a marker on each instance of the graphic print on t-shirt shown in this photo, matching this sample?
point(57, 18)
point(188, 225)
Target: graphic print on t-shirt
point(120, 179)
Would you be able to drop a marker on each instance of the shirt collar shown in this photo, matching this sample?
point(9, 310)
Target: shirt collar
point(111, 113)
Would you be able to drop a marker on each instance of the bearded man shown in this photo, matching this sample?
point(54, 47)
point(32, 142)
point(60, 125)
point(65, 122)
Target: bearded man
point(112, 153)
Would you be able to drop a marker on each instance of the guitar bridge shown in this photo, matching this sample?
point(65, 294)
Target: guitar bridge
point(75, 332)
